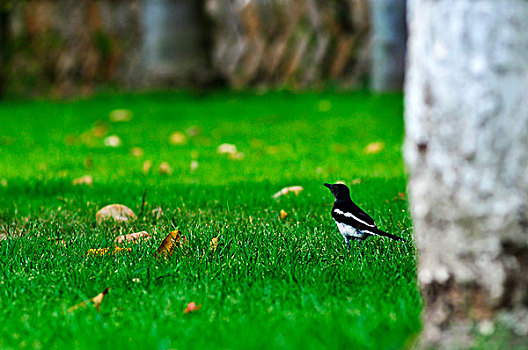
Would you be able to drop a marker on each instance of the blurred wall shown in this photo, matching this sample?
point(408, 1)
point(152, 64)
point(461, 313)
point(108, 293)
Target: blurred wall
point(72, 47)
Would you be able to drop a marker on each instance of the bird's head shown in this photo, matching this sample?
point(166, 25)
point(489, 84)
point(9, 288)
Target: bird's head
point(339, 191)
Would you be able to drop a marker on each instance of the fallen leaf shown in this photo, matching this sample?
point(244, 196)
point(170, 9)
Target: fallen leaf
point(191, 307)
point(112, 141)
point(226, 148)
point(325, 105)
point(132, 237)
point(273, 149)
point(3, 237)
point(194, 165)
point(283, 214)
point(3, 182)
point(356, 181)
point(214, 244)
point(374, 147)
point(193, 131)
point(177, 138)
point(117, 212)
point(286, 190)
point(88, 162)
point(108, 251)
point(137, 152)
point(121, 115)
point(165, 169)
point(167, 246)
point(237, 156)
point(147, 165)
point(83, 180)
point(97, 300)
point(401, 196)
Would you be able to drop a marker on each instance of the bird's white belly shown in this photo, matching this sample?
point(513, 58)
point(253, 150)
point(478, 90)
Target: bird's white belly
point(349, 232)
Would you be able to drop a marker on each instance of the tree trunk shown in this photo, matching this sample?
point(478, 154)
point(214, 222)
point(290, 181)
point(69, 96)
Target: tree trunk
point(466, 149)
point(388, 49)
point(174, 42)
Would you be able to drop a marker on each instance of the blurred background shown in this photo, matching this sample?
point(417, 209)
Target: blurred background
point(68, 48)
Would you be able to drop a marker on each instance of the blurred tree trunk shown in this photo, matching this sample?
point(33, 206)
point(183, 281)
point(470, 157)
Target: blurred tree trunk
point(389, 39)
point(4, 42)
point(466, 148)
point(174, 41)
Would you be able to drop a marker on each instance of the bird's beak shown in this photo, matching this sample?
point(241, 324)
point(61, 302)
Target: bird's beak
point(328, 185)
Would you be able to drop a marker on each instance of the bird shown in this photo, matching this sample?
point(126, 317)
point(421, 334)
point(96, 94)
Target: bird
point(353, 223)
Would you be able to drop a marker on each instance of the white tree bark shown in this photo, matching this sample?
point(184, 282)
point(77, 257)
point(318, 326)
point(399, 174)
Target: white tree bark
point(466, 148)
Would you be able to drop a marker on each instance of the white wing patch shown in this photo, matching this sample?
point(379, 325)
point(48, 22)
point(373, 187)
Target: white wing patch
point(350, 215)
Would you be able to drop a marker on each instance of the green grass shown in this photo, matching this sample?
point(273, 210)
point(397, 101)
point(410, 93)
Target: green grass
point(271, 283)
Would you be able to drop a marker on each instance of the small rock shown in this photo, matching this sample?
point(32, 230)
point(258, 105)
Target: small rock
point(286, 190)
point(194, 165)
point(83, 180)
point(117, 212)
point(157, 212)
point(226, 148)
point(112, 141)
point(131, 237)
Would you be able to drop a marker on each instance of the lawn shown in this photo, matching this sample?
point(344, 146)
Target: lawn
point(270, 283)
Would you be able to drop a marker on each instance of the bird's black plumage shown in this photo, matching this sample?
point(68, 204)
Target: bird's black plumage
point(352, 221)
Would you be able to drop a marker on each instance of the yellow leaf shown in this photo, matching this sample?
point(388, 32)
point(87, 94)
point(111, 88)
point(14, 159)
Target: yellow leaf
point(177, 138)
point(167, 246)
point(120, 115)
point(283, 214)
point(146, 166)
point(374, 147)
point(105, 251)
point(97, 300)
point(214, 244)
point(137, 152)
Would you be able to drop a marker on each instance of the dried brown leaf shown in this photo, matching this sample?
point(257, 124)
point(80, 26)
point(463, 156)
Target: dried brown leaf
point(191, 307)
point(173, 239)
point(97, 300)
point(283, 214)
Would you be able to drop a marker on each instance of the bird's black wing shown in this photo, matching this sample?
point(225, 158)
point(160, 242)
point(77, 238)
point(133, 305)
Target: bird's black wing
point(352, 215)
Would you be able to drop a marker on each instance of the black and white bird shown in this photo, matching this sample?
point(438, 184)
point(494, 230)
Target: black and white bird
point(352, 221)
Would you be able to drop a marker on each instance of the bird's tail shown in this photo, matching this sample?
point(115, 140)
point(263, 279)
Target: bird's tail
point(385, 234)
